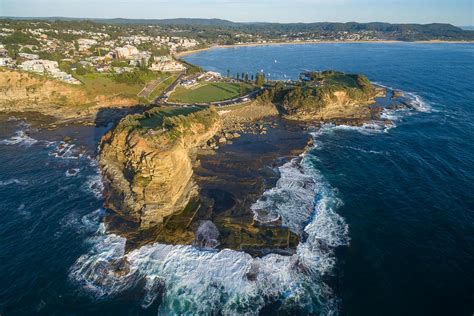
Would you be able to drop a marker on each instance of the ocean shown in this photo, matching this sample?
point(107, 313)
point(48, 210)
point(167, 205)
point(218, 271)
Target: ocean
point(389, 231)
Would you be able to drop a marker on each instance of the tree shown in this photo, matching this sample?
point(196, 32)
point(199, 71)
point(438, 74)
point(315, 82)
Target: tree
point(80, 70)
point(243, 75)
point(247, 76)
point(238, 76)
point(260, 79)
point(252, 77)
point(228, 73)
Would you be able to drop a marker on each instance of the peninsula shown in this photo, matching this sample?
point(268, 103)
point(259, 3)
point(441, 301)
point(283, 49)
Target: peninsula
point(190, 151)
point(172, 175)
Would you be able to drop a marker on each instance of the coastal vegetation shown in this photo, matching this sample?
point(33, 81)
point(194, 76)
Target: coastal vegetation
point(146, 161)
point(95, 84)
point(323, 95)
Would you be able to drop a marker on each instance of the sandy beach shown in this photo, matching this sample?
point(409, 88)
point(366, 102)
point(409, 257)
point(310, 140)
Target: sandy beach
point(194, 51)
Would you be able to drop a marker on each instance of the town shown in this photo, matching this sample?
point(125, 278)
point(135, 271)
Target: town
point(138, 61)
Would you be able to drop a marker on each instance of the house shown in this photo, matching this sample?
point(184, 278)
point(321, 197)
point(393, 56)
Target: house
point(6, 62)
point(39, 66)
point(28, 56)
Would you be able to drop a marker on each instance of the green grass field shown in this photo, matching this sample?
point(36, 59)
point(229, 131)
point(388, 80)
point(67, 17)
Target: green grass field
point(102, 84)
point(210, 92)
point(96, 84)
point(156, 119)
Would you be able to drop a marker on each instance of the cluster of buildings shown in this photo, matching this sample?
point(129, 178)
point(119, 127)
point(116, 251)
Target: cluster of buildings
point(173, 43)
point(48, 67)
point(5, 61)
point(166, 64)
point(209, 76)
point(96, 50)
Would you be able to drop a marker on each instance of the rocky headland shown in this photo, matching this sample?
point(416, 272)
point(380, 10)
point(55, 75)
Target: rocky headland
point(189, 175)
point(22, 92)
point(328, 96)
point(146, 162)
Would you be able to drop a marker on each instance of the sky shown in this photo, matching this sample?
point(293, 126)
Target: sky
point(457, 12)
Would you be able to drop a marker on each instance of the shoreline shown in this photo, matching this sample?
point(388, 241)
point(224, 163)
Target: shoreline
point(195, 51)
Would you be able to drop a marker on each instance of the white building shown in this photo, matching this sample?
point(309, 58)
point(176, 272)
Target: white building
point(48, 67)
point(168, 66)
point(28, 56)
point(6, 62)
point(86, 43)
point(126, 52)
point(39, 65)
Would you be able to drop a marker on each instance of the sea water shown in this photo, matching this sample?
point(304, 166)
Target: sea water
point(386, 214)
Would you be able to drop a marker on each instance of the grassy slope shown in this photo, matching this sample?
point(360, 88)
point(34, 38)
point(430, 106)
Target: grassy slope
point(154, 120)
point(102, 84)
point(210, 92)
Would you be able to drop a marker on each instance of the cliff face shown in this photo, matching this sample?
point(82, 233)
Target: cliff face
point(148, 171)
point(326, 96)
point(24, 92)
point(338, 104)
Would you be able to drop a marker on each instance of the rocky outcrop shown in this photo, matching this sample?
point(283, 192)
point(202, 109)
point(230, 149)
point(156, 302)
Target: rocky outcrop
point(326, 96)
point(148, 169)
point(25, 92)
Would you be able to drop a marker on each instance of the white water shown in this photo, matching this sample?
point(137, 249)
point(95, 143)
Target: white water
point(21, 137)
point(208, 281)
point(192, 280)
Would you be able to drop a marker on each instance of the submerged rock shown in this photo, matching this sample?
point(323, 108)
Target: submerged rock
point(207, 235)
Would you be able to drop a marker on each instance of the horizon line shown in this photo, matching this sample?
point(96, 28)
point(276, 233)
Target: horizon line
point(221, 19)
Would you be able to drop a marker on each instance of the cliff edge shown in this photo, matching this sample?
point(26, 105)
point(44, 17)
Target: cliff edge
point(146, 161)
point(325, 96)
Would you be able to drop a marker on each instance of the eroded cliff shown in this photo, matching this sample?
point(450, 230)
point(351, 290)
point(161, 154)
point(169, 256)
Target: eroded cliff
point(25, 92)
point(146, 162)
point(326, 96)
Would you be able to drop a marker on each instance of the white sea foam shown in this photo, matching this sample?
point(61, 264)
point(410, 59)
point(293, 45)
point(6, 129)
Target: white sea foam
point(65, 150)
point(375, 152)
point(370, 128)
point(72, 172)
point(13, 181)
point(417, 102)
point(292, 200)
point(94, 185)
point(21, 137)
point(191, 279)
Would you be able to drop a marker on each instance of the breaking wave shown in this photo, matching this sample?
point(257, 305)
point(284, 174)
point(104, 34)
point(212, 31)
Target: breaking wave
point(207, 281)
point(94, 185)
point(21, 137)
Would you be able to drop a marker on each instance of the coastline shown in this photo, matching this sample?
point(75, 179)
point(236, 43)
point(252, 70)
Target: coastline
point(195, 51)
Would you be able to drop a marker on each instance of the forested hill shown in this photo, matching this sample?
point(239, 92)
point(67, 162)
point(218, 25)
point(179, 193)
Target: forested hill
point(321, 30)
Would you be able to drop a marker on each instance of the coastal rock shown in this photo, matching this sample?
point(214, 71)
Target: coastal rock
point(59, 101)
point(326, 96)
point(148, 176)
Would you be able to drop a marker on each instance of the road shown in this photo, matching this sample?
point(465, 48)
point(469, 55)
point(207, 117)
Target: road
point(168, 90)
point(151, 86)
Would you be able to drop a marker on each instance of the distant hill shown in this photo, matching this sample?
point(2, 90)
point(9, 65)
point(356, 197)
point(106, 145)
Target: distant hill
point(178, 21)
point(402, 32)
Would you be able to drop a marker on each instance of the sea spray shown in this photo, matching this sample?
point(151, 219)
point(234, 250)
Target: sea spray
point(226, 281)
